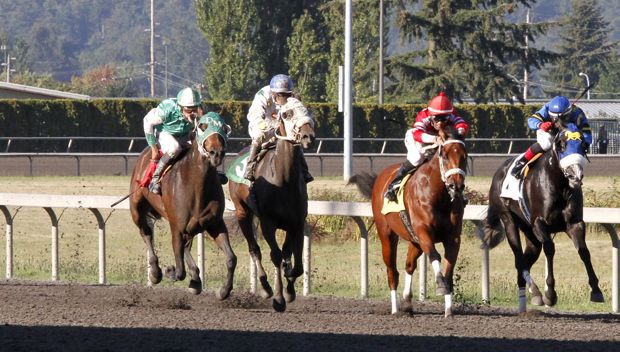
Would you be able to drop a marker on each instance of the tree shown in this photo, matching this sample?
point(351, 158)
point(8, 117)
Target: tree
point(102, 81)
point(307, 59)
point(235, 66)
point(365, 31)
point(467, 50)
point(584, 47)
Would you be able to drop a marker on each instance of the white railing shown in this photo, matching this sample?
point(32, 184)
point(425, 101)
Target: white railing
point(607, 217)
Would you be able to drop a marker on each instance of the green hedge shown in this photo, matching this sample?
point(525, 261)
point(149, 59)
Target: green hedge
point(123, 117)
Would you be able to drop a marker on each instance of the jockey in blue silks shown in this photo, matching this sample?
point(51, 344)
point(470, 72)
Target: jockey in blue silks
point(559, 109)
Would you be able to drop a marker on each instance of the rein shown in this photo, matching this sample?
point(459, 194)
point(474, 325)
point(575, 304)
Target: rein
point(454, 171)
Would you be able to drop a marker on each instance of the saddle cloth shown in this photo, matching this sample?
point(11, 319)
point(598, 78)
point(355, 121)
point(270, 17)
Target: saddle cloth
point(399, 204)
point(236, 170)
point(512, 187)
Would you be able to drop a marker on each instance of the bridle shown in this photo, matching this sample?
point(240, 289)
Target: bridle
point(446, 174)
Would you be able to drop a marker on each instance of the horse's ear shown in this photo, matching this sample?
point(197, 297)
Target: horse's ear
point(203, 126)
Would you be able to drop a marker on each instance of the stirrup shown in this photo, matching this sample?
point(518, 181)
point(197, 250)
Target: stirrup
point(390, 194)
point(155, 188)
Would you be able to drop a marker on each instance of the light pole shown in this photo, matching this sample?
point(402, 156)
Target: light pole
point(587, 82)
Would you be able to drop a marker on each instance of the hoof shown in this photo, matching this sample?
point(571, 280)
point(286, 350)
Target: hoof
point(597, 297)
point(223, 293)
point(279, 305)
point(195, 287)
point(537, 300)
point(155, 276)
point(171, 273)
point(265, 291)
point(289, 293)
point(550, 298)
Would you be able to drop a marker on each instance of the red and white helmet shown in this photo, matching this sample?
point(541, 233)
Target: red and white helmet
point(440, 105)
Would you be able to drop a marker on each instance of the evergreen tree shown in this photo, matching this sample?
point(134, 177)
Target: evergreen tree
point(365, 31)
point(307, 59)
point(468, 50)
point(235, 68)
point(584, 47)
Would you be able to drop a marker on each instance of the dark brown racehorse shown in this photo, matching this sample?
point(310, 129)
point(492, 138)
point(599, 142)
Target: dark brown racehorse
point(280, 201)
point(192, 201)
point(433, 199)
point(553, 203)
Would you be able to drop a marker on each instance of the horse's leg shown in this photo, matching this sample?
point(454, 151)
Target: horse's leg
point(145, 225)
point(451, 253)
point(195, 284)
point(531, 253)
point(178, 248)
point(514, 240)
point(220, 235)
point(245, 218)
point(269, 233)
point(413, 253)
point(292, 246)
point(540, 229)
point(389, 244)
point(577, 233)
point(427, 245)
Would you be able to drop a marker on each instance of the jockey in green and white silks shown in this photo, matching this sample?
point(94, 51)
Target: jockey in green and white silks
point(173, 119)
point(264, 118)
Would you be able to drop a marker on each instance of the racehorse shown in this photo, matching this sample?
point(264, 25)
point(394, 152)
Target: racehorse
point(192, 200)
point(433, 212)
point(552, 201)
point(279, 199)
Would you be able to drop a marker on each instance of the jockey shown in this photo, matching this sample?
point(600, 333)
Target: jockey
point(263, 118)
point(558, 109)
point(423, 133)
point(174, 120)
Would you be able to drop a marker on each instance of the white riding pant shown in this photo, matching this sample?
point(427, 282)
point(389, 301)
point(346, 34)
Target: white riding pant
point(544, 139)
point(414, 155)
point(172, 145)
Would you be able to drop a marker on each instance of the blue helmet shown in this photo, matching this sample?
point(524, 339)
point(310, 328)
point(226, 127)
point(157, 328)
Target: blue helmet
point(559, 107)
point(281, 84)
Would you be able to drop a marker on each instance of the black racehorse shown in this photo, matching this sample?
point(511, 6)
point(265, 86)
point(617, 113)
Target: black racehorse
point(280, 201)
point(551, 201)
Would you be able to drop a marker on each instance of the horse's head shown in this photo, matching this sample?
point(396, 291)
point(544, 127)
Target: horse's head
point(298, 123)
point(452, 162)
point(570, 151)
point(211, 137)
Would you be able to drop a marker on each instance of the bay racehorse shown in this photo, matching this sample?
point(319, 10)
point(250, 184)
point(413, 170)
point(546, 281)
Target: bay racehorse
point(192, 200)
point(433, 213)
point(548, 200)
point(279, 199)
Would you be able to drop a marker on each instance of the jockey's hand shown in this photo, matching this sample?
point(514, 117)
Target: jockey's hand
point(438, 140)
point(546, 126)
point(154, 153)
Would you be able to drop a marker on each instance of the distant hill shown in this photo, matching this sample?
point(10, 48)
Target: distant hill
point(68, 37)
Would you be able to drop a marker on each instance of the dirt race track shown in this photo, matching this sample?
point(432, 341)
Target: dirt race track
point(42, 316)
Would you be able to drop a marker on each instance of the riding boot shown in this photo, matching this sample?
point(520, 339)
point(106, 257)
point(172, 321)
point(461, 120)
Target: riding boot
point(519, 165)
point(155, 187)
point(222, 177)
point(405, 168)
point(251, 165)
point(304, 166)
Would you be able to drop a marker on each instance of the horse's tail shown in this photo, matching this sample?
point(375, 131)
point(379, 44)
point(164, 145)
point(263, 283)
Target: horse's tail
point(493, 229)
point(364, 182)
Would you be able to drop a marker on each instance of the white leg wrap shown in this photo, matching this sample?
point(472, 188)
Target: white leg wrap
point(407, 289)
point(522, 300)
point(448, 302)
point(394, 299)
point(527, 277)
point(436, 267)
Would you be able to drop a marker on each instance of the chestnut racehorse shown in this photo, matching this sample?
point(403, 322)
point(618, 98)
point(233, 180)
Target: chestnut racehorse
point(434, 204)
point(279, 198)
point(192, 200)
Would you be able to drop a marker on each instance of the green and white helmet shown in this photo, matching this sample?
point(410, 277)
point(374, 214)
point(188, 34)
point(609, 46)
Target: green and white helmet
point(188, 97)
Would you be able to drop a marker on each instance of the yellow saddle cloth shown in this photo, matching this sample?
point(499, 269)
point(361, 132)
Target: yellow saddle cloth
point(398, 205)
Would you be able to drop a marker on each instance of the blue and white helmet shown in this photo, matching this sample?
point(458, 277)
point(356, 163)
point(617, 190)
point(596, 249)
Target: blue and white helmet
point(281, 84)
point(559, 107)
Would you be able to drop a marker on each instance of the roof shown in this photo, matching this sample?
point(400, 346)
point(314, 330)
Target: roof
point(594, 109)
point(20, 91)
